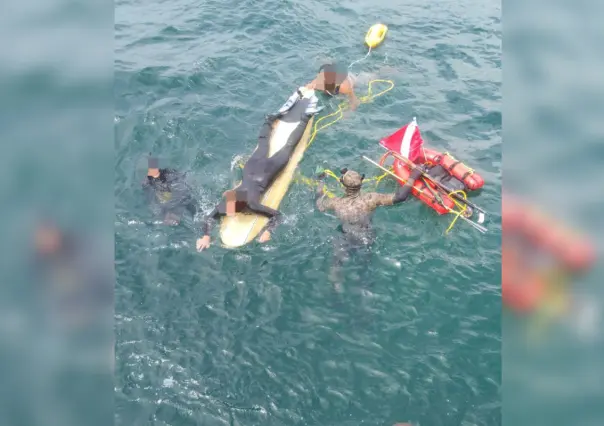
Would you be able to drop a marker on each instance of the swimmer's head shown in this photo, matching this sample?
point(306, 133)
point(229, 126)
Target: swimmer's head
point(351, 180)
point(328, 73)
point(153, 167)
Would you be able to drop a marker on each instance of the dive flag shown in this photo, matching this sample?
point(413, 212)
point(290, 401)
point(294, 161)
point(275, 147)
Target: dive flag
point(406, 141)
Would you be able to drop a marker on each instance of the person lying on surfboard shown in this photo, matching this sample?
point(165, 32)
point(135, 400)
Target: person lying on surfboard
point(168, 193)
point(333, 82)
point(259, 173)
point(355, 210)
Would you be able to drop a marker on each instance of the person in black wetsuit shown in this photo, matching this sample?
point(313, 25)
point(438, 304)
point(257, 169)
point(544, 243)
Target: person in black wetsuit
point(354, 210)
point(332, 82)
point(168, 193)
point(258, 174)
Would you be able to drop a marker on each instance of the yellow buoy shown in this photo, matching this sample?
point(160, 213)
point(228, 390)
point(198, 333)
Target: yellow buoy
point(375, 35)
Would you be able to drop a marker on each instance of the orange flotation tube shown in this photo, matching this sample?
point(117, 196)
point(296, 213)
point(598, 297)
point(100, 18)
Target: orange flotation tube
point(527, 230)
point(407, 142)
point(522, 287)
point(426, 191)
point(472, 180)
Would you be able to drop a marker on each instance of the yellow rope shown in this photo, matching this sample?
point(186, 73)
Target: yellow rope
point(460, 205)
point(339, 113)
point(470, 170)
point(313, 182)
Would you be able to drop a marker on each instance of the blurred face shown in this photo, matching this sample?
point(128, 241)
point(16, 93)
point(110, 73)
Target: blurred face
point(328, 77)
point(153, 167)
point(230, 203)
point(233, 198)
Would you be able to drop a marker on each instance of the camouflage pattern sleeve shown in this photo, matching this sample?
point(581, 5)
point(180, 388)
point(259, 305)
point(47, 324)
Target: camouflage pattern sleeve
point(325, 203)
point(375, 199)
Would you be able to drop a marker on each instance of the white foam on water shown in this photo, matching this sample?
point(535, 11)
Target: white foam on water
point(236, 159)
point(392, 262)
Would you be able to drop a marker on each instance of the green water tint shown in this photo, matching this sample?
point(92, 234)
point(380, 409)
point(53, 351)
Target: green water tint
point(259, 336)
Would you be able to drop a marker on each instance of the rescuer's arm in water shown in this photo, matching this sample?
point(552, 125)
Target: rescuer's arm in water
point(204, 242)
point(275, 217)
point(347, 88)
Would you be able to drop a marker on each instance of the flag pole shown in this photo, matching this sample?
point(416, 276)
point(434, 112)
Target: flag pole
point(472, 223)
point(440, 185)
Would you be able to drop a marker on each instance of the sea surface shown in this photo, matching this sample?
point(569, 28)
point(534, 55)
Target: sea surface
point(260, 335)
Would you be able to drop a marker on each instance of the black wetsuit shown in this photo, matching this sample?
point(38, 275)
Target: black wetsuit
point(441, 175)
point(261, 170)
point(170, 193)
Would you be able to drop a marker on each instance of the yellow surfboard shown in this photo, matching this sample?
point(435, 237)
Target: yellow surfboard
point(238, 230)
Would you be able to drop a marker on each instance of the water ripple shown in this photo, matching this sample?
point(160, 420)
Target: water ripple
point(261, 336)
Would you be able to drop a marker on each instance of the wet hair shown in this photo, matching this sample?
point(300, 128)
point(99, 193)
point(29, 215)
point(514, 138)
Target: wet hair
point(331, 68)
point(331, 75)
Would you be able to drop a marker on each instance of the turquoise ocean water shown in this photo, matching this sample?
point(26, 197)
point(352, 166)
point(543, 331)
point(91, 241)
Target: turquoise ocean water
point(259, 336)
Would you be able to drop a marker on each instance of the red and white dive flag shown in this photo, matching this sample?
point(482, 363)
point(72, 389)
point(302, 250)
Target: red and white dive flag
point(406, 141)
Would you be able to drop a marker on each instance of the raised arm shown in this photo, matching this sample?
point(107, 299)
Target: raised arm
point(323, 203)
point(354, 102)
